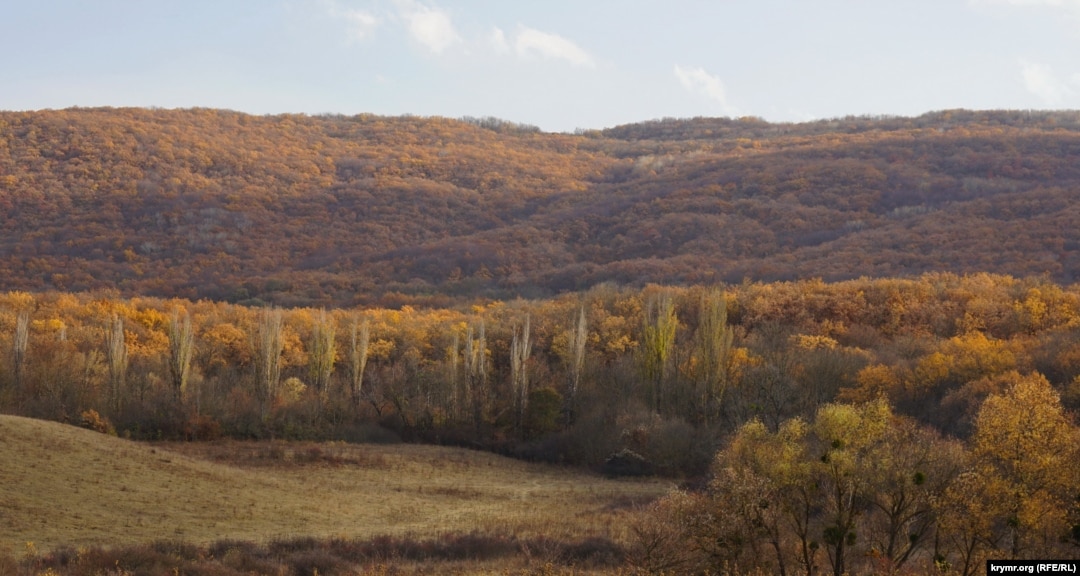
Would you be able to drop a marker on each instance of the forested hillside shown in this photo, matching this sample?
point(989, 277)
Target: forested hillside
point(299, 210)
point(867, 426)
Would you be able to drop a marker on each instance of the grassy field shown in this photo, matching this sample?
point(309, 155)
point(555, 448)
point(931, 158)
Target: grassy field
point(65, 486)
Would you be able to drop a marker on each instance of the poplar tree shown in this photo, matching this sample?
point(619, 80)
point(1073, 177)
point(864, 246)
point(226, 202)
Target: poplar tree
point(575, 344)
point(19, 346)
point(321, 352)
point(657, 344)
point(476, 370)
point(520, 349)
point(116, 359)
point(359, 336)
point(181, 350)
point(268, 346)
point(713, 351)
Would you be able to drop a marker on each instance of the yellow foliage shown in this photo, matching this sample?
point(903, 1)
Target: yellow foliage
point(380, 348)
point(292, 389)
point(931, 371)
point(19, 300)
point(851, 426)
point(1026, 433)
point(872, 382)
point(814, 342)
point(1033, 310)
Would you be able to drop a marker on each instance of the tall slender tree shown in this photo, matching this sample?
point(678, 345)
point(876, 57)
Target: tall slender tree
point(181, 350)
point(268, 345)
point(453, 361)
point(657, 345)
point(321, 353)
point(359, 337)
point(713, 341)
point(19, 346)
point(476, 371)
point(520, 350)
point(577, 339)
point(117, 360)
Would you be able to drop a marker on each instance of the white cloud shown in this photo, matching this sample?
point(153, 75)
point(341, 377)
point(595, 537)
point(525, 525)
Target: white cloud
point(532, 42)
point(361, 24)
point(698, 81)
point(497, 39)
point(1040, 80)
point(429, 26)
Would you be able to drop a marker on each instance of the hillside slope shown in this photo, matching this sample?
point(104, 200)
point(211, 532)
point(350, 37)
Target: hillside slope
point(344, 210)
point(62, 485)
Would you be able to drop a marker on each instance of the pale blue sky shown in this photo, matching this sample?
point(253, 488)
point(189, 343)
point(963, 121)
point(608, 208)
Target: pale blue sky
point(558, 64)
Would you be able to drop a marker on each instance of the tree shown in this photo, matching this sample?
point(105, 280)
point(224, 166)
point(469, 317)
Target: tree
point(657, 345)
point(321, 354)
point(520, 350)
point(268, 344)
point(713, 341)
point(786, 470)
point(181, 350)
point(577, 338)
point(908, 472)
point(117, 359)
point(1024, 439)
point(19, 345)
point(846, 437)
point(359, 338)
point(476, 371)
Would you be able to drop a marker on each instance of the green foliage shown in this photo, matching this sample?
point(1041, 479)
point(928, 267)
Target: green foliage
point(543, 412)
point(657, 344)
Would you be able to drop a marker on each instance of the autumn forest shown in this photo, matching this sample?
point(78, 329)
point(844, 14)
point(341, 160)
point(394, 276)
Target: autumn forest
point(854, 343)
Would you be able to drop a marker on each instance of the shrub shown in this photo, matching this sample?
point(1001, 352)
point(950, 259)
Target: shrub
point(92, 420)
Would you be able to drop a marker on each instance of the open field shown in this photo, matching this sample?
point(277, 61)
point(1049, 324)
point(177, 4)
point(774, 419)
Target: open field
point(65, 486)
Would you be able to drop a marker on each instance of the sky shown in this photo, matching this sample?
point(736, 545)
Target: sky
point(561, 65)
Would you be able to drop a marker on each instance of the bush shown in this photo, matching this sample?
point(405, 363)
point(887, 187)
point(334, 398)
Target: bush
point(92, 420)
point(627, 463)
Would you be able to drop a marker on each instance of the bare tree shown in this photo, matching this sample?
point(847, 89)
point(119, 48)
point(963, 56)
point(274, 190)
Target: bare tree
point(181, 350)
point(476, 371)
point(520, 349)
point(19, 346)
point(453, 361)
point(578, 336)
point(358, 357)
point(116, 359)
point(268, 346)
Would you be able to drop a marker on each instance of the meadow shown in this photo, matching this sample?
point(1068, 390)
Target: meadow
point(69, 490)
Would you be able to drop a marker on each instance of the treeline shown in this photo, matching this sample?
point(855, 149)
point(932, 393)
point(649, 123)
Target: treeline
point(859, 426)
point(342, 211)
point(613, 367)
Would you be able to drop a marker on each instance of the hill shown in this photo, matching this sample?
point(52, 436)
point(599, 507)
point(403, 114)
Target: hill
point(62, 485)
point(300, 210)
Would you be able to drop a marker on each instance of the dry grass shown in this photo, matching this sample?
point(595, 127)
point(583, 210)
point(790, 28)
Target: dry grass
point(61, 485)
